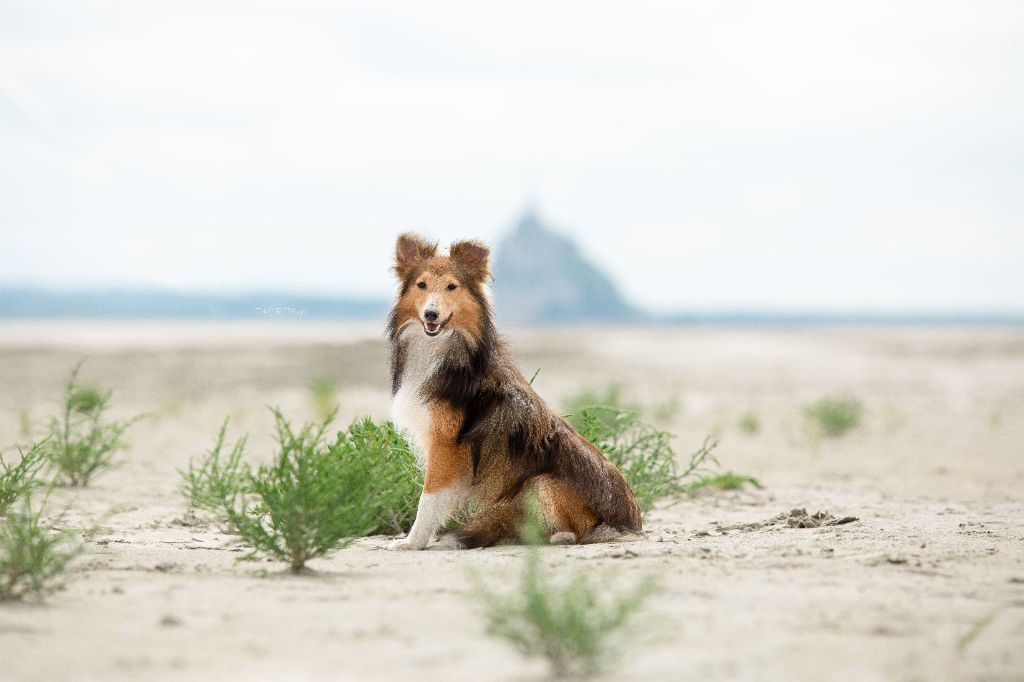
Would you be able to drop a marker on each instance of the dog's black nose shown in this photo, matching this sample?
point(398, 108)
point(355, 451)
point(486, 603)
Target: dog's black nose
point(431, 315)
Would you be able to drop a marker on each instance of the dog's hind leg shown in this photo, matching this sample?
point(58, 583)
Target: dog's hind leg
point(566, 518)
point(566, 514)
point(502, 521)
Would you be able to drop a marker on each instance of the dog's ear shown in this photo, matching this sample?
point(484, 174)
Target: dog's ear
point(472, 256)
point(410, 250)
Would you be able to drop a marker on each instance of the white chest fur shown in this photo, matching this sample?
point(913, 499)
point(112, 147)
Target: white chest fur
point(409, 412)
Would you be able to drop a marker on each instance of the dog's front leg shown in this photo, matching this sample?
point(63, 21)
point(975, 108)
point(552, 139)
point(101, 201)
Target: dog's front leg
point(445, 485)
point(434, 509)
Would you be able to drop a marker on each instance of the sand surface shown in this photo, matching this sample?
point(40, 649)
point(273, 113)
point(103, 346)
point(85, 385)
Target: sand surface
point(935, 475)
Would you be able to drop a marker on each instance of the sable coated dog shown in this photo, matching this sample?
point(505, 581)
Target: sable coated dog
point(482, 432)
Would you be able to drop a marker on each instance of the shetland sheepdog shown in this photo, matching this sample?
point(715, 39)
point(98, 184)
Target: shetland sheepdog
point(478, 427)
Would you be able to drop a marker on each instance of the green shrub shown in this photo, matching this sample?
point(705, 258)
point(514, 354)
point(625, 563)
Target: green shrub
point(643, 453)
point(216, 482)
point(316, 494)
point(307, 502)
point(33, 553)
point(749, 423)
point(726, 481)
point(220, 480)
point(19, 479)
point(576, 623)
point(81, 443)
point(835, 416)
point(396, 481)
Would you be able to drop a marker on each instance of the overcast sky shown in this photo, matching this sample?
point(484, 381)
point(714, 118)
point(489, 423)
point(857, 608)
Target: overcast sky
point(793, 156)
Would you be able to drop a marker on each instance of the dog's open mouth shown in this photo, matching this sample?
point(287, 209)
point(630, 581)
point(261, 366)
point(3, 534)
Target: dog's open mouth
point(434, 328)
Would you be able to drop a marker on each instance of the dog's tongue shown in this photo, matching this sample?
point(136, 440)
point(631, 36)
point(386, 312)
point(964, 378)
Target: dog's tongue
point(432, 327)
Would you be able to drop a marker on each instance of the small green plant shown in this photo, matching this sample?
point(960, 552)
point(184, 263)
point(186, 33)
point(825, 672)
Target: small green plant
point(19, 479)
point(34, 553)
point(726, 481)
point(835, 416)
point(306, 503)
point(643, 453)
point(216, 482)
point(325, 395)
point(749, 423)
point(85, 399)
point(573, 624)
point(576, 624)
point(81, 443)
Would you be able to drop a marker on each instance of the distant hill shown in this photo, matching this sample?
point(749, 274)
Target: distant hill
point(540, 276)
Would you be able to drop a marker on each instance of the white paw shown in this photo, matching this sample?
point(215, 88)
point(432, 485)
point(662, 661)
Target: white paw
point(400, 544)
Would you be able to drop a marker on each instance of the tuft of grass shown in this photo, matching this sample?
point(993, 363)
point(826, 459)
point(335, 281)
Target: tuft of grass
point(749, 423)
point(325, 395)
point(81, 442)
point(20, 479)
point(577, 624)
point(643, 453)
point(34, 553)
point(725, 481)
point(218, 479)
point(835, 416)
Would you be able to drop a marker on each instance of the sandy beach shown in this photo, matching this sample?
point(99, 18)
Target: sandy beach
point(927, 584)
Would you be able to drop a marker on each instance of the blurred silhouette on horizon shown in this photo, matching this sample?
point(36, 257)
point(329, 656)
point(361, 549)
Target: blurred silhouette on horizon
point(540, 277)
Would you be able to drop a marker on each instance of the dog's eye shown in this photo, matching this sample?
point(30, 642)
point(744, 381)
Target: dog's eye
point(452, 287)
point(422, 285)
